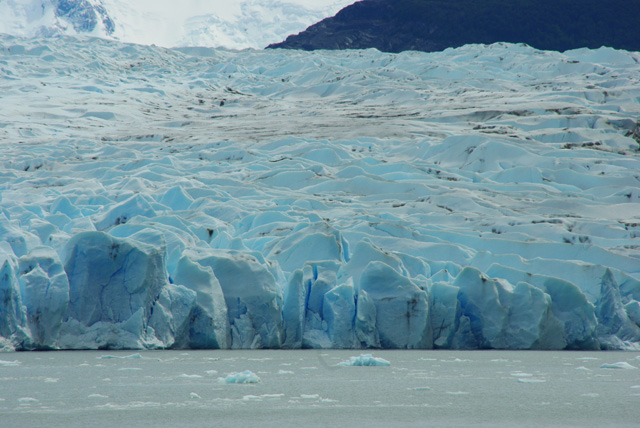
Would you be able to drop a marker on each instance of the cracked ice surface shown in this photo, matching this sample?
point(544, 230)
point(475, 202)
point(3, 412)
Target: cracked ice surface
point(480, 197)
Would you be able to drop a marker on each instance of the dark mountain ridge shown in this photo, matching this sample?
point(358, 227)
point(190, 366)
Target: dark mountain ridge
point(433, 25)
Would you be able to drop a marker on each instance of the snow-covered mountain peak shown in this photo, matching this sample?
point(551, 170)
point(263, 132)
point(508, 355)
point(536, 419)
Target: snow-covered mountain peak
point(44, 18)
point(236, 25)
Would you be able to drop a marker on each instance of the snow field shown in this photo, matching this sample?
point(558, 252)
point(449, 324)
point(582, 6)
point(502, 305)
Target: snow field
point(481, 197)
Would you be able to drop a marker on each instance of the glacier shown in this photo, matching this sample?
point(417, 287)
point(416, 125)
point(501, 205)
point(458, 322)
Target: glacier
point(481, 197)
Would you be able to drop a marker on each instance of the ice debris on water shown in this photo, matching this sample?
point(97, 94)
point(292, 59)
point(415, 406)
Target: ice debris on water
point(97, 396)
point(135, 356)
point(246, 376)
point(618, 365)
point(521, 374)
point(365, 360)
point(189, 376)
point(530, 380)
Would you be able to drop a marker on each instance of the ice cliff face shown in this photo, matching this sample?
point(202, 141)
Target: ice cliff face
point(482, 197)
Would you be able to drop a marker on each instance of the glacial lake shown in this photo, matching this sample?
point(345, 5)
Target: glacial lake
point(308, 388)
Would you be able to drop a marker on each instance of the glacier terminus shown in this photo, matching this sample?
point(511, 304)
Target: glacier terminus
point(483, 197)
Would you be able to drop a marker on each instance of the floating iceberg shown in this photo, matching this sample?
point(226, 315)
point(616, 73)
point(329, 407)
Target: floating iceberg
point(246, 376)
point(365, 360)
point(618, 365)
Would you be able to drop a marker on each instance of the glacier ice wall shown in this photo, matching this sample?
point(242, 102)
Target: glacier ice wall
point(481, 197)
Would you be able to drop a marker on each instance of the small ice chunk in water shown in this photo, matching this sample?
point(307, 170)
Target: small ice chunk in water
point(126, 357)
point(9, 363)
point(98, 396)
point(530, 380)
point(310, 396)
point(27, 400)
point(251, 398)
point(521, 374)
point(365, 360)
point(272, 395)
point(246, 376)
point(618, 365)
point(190, 376)
point(194, 396)
point(285, 372)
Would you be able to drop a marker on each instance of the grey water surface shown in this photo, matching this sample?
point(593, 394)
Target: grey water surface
point(308, 389)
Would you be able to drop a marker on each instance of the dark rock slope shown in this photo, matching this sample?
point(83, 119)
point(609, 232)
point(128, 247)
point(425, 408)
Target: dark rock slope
point(433, 25)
